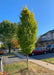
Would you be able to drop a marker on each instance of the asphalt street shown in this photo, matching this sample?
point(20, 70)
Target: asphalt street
point(43, 56)
point(13, 59)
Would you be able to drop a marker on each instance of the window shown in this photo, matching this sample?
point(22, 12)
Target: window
point(44, 38)
point(37, 48)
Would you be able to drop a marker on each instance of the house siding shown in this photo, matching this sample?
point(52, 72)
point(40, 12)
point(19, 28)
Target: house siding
point(47, 38)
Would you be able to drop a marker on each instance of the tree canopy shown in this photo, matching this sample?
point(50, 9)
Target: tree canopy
point(27, 31)
point(8, 32)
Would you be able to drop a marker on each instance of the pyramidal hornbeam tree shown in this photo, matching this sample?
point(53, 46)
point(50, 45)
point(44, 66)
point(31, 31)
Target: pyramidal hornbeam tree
point(27, 32)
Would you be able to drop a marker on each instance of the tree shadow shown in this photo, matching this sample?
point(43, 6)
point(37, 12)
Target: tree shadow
point(15, 57)
point(12, 57)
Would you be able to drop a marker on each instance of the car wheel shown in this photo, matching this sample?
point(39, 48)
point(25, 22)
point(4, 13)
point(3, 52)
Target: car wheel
point(45, 52)
point(32, 54)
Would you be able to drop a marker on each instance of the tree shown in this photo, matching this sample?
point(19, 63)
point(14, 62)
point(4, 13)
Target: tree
point(27, 32)
point(8, 31)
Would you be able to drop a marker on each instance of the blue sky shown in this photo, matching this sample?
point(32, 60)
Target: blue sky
point(43, 10)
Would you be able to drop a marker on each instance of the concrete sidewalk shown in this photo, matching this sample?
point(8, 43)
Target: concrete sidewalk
point(38, 62)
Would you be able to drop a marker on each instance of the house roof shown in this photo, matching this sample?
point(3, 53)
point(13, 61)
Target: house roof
point(52, 31)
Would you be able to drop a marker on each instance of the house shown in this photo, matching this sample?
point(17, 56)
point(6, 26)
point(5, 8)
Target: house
point(46, 39)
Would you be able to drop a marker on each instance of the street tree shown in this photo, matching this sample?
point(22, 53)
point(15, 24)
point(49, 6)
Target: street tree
point(27, 32)
point(8, 32)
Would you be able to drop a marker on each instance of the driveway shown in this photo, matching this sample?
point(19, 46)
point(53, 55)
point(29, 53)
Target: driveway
point(43, 56)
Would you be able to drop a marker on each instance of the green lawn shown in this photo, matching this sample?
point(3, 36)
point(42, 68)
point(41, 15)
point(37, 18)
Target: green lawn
point(20, 68)
point(50, 60)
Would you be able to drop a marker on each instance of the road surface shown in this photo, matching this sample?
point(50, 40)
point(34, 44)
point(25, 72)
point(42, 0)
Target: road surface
point(43, 56)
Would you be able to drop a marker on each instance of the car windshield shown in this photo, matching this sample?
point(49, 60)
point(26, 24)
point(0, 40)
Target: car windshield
point(37, 48)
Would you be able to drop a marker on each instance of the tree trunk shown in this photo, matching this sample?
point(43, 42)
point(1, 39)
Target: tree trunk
point(9, 46)
point(9, 49)
point(27, 61)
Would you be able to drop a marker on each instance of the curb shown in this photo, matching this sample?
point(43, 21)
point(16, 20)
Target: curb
point(1, 66)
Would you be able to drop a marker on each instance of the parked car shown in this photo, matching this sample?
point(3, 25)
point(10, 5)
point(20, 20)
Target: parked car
point(50, 48)
point(39, 51)
point(1, 51)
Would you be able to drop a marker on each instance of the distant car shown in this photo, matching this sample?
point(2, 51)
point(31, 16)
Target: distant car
point(1, 51)
point(39, 51)
point(50, 48)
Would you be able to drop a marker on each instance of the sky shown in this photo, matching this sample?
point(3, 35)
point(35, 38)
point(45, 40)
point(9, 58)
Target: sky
point(43, 12)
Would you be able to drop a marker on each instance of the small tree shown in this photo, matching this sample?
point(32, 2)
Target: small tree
point(27, 32)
